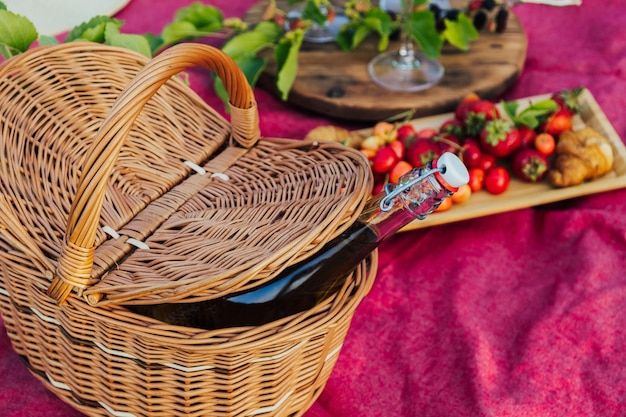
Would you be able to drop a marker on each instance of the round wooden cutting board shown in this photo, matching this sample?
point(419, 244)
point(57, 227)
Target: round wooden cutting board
point(335, 83)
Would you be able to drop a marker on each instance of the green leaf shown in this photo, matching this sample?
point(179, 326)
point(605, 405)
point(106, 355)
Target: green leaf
point(48, 40)
point(194, 21)
point(360, 34)
point(263, 35)
point(286, 55)
point(344, 40)
point(93, 29)
point(313, 12)
point(510, 108)
point(460, 32)
point(251, 65)
point(383, 43)
point(541, 108)
point(2, 6)
point(378, 21)
point(244, 48)
point(425, 33)
point(155, 42)
point(135, 43)
point(179, 31)
point(532, 115)
point(218, 86)
point(527, 120)
point(204, 18)
point(17, 33)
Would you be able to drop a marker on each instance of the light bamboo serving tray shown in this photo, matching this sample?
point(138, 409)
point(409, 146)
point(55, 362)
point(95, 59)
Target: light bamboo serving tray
point(521, 194)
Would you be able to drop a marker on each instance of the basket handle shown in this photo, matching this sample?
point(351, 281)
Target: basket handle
point(77, 255)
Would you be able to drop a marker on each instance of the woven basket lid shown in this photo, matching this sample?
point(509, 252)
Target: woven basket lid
point(122, 183)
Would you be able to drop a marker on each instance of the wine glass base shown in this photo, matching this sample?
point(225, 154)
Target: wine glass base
point(394, 72)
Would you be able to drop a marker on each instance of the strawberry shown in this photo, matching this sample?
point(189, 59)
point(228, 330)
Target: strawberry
point(422, 151)
point(567, 100)
point(527, 135)
point(560, 119)
point(406, 134)
point(557, 123)
point(453, 127)
point(529, 165)
point(499, 138)
point(480, 112)
point(465, 105)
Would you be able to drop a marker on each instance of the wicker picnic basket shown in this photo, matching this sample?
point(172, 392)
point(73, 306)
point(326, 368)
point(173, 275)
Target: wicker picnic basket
point(120, 186)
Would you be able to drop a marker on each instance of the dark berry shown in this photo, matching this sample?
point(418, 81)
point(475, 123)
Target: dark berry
point(438, 14)
point(435, 8)
point(480, 19)
point(488, 5)
point(440, 25)
point(452, 14)
point(501, 19)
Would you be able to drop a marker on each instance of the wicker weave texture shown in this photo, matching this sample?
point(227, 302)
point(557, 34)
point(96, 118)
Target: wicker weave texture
point(105, 360)
point(118, 185)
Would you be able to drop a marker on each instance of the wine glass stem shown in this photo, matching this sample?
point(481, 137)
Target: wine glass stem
point(406, 52)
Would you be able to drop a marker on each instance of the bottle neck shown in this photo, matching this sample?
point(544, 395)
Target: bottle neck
point(416, 195)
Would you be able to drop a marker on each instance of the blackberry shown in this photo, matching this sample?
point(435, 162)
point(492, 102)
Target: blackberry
point(501, 19)
point(435, 8)
point(452, 14)
point(440, 24)
point(488, 5)
point(480, 19)
point(438, 13)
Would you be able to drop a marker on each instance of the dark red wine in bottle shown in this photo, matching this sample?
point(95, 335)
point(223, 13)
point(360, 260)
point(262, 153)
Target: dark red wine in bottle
point(305, 284)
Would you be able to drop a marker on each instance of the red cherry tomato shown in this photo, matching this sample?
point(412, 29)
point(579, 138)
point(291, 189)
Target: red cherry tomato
point(476, 179)
point(384, 160)
point(398, 148)
point(398, 170)
point(445, 204)
point(471, 154)
point(462, 194)
point(497, 180)
point(527, 134)
point(487, 162)
point(545, 144)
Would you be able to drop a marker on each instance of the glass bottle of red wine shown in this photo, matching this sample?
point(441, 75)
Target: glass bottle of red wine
point(303, 285)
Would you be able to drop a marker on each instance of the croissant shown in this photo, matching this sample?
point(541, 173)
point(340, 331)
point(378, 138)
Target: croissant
point(580, 156)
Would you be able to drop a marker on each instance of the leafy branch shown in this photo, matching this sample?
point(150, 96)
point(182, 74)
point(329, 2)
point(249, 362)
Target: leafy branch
point(247, 44)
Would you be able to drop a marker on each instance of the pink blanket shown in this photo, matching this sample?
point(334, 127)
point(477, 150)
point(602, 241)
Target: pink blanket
point(516, 314)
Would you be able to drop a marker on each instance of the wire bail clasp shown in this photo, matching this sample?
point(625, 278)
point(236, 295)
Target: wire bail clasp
point(394, 191)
